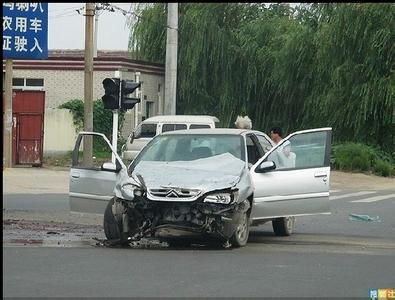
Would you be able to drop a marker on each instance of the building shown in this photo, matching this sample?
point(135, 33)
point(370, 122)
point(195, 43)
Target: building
point(60, 78)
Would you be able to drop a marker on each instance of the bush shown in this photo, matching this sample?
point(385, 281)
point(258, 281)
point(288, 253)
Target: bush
point(351, 156)
point(383, 168)
point(361, 157)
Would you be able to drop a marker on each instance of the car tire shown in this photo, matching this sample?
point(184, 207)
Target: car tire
point(112, 224)
point(283, 226)
point(240, 237)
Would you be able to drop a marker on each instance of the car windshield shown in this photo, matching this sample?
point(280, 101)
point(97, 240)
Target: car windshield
point(187, 147)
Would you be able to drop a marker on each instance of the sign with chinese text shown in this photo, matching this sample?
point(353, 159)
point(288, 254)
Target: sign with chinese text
point(25, 30)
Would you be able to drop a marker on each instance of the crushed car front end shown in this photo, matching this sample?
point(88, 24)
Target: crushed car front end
point(195, 201)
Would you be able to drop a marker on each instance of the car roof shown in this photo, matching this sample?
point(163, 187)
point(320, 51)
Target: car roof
point(230, 131)
point(181, 118)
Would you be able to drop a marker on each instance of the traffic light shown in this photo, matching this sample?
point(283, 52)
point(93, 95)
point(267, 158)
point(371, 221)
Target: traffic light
point(128, 87)
point(111, 89)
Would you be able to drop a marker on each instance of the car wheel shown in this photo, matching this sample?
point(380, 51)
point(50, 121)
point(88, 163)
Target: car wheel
point(112, 223)
point(283, 226)
point(240, 237)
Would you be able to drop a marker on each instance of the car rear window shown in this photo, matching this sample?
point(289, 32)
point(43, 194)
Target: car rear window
point(145, 131)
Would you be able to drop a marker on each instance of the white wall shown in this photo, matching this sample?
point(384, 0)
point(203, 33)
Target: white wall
point(59, 131)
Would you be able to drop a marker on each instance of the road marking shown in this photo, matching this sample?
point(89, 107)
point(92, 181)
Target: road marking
point(374, 199)
point(335, 191)
point(351, 195)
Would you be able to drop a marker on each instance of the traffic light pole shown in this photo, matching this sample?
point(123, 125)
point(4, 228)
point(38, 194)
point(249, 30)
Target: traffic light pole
point(115, 119)
point(114, 132)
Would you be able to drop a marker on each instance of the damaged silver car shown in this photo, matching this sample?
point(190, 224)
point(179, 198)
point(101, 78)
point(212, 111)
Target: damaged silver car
point(206, 183)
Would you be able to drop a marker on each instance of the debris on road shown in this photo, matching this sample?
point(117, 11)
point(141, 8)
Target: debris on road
point(355, 217)
point(143, 243)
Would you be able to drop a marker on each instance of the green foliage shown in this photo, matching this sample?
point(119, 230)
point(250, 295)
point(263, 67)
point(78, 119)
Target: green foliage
point(361, 157)
point(76, 107)
point(352, 157)
point(316, 65)
point(383, 168)
point(102, 121)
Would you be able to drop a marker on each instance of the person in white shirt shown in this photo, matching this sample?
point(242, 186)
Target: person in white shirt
point(286, 158)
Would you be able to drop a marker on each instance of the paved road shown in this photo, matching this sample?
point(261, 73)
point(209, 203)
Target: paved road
point(327, 256)
point(379, 203)
point(253, 271)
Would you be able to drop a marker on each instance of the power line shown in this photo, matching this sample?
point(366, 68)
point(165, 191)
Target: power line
point(68, 13)
point(64, 9)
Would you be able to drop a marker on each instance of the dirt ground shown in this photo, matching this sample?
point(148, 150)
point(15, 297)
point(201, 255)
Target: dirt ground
point(343, 180)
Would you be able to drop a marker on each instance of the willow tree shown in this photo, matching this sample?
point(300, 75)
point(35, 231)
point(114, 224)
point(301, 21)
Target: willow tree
point(353, 86)
point(318, 65)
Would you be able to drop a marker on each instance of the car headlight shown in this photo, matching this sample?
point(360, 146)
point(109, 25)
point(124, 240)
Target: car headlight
point(128, 190)
point(222, 198)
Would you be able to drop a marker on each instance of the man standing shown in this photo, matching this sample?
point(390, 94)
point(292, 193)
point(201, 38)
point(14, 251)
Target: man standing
point(276, 134)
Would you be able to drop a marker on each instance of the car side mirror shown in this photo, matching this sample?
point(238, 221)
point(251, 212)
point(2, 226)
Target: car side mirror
point(109, 166)
point(265, 166)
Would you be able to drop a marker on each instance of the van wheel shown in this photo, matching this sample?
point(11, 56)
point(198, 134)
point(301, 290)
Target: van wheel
point(283, 226)
point(112, 223)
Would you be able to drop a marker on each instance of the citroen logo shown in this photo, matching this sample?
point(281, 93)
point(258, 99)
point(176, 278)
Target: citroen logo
point(172, 194)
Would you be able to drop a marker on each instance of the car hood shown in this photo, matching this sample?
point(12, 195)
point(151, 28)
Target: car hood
point(206, 174)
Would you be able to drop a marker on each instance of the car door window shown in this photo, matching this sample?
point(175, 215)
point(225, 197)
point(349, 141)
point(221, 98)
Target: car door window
point(265, 144)
point(305, 150)
point(253, 150)
point(101, 153)
point(172, 127)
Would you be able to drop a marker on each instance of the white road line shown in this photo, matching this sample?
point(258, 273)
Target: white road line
point(374, 199)
point(351, 195)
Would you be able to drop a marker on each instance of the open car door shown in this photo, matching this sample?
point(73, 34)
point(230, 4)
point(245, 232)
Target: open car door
point(92, 184)
point(293, 177)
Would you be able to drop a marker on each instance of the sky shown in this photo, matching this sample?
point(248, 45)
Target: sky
point(66, 28)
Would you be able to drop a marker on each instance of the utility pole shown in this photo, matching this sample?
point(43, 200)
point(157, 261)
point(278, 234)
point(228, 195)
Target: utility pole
point(96, 28)
point(7, 117)
point(171, 59)
point(88, 83)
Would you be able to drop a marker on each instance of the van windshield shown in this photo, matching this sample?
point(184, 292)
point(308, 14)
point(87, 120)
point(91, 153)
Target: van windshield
point(147, 130)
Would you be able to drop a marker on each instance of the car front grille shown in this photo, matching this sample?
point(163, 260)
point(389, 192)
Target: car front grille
point(173, 194)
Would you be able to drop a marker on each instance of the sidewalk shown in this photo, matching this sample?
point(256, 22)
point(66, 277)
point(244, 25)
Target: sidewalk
point(31, 180)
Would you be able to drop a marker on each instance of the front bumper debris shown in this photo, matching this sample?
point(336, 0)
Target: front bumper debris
point(148, 218)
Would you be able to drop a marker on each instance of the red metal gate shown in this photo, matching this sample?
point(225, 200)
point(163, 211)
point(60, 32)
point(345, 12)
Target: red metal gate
point(28, 127)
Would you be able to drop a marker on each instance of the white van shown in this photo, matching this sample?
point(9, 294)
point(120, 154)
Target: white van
point(153, 126)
